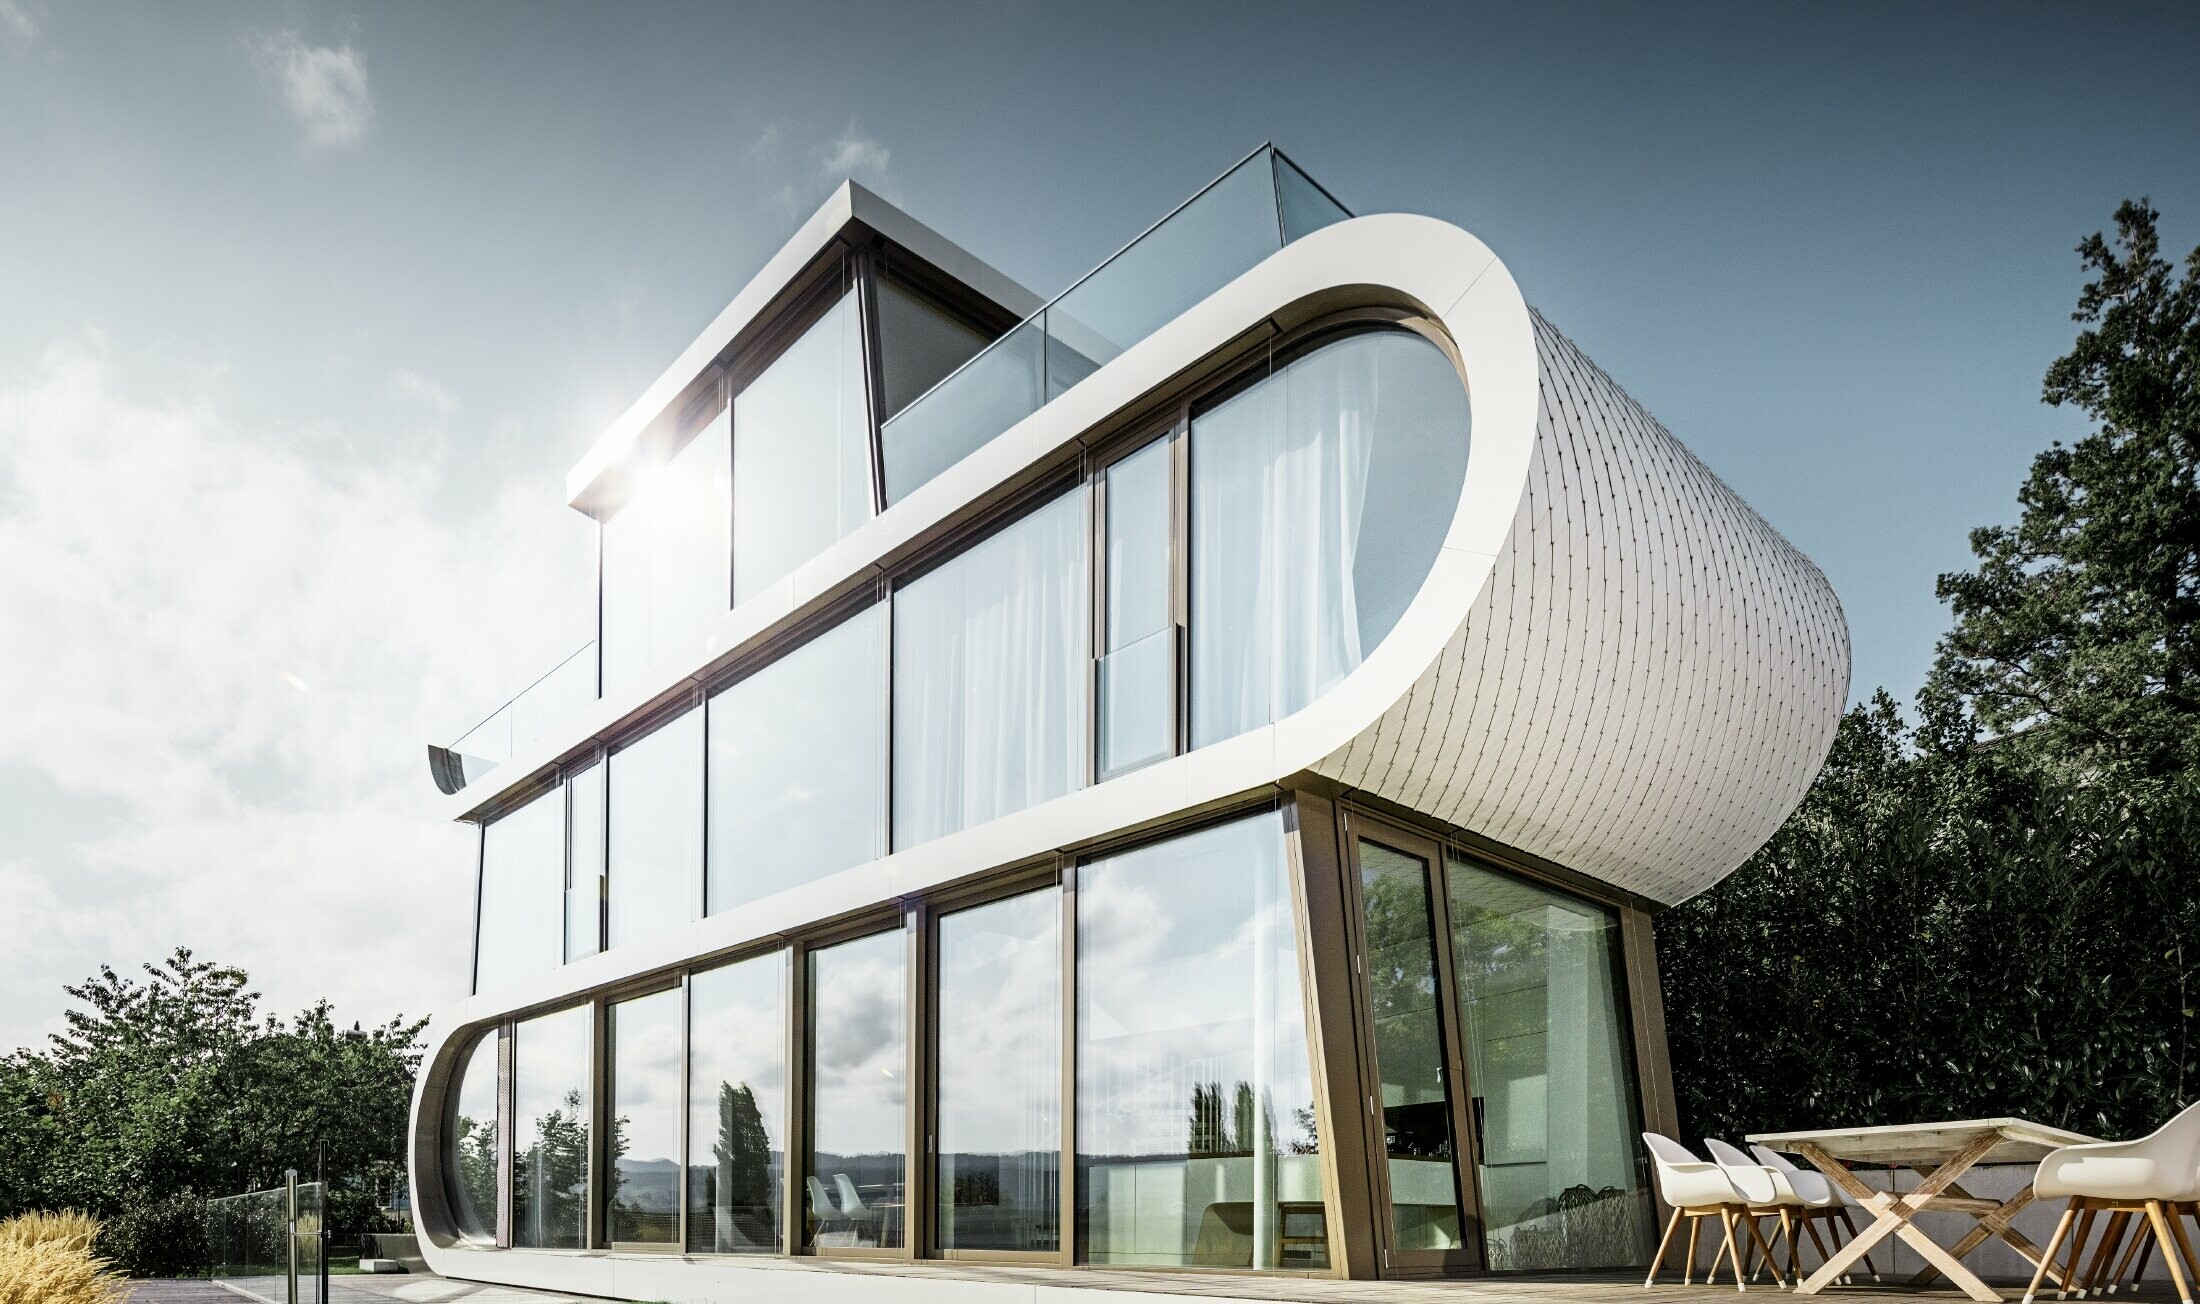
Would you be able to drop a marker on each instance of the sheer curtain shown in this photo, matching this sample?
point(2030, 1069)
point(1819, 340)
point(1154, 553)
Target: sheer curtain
point(989, 677)
point(1320, 496)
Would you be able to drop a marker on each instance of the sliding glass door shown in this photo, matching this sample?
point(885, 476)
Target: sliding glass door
point(1499, 1065)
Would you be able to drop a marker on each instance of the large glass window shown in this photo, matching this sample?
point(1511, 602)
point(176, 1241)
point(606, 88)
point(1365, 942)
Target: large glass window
point(737, 1101)
point(665, 557)
point(1320, 497)
point(919, 342)
point(642, 1107)
point(522, 890)
point(1195, 1106)
point(990, 653)
point(470, 1143)
point(801, 453)
point(999, 1067)
point(1138, 630)
point(584, 816)
point(1553, 1086)
point(551, 1067)
point(858, 1078)
point(655, 868)
point(798, 765)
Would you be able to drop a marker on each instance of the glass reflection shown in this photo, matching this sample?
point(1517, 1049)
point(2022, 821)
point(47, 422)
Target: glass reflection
point(666, 555)
point(798, 765)
point(584, 815)
point(1409, 1049)
point(470, 1145)
point(737, 1093)
point(1554, 1085)
point(1320, 497)
point(801, 453)
point(858, 1076)
point(655, 867)
point(550, 1072)
point(522, 890)
point(989, 677)
point(1195, 1106)
point(642, 1086)
point(1138, 634)
point(919, 342)
point(1000, 1075)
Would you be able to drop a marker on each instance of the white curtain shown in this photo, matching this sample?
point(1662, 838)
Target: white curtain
point(1279, 483)
point(989, 677)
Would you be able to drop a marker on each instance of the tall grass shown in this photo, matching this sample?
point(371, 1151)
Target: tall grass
point(46, 1258)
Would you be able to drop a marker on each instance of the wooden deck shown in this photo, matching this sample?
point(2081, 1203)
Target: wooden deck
point(1571, 1289)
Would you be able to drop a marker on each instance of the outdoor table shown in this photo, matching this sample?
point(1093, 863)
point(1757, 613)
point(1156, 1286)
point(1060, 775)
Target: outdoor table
point(1941, 1153)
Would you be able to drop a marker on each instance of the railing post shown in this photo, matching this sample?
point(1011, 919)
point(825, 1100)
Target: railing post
point(290, 1205)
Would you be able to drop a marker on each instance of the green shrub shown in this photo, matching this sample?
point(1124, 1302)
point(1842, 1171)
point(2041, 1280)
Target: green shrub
point(158, 1238)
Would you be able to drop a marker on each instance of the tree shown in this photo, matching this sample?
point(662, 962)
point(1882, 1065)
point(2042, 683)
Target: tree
point(2078, 624)
point(172, 1088)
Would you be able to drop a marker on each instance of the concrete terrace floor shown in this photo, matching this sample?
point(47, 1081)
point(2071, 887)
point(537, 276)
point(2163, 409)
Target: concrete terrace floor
point(1599, 1289)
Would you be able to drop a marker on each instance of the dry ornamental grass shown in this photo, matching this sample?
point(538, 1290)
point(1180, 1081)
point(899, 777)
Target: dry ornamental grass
point(46, 1258)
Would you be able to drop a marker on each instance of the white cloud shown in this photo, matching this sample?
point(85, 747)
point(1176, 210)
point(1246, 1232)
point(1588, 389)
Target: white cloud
point(324, 87)
point(798, 176)
point(234, 644)
point(20, 21)
point(417, 387)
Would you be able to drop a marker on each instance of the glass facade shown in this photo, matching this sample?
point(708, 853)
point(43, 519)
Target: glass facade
point(1137, 669)
point(552, 1063)
point(584, 861)
point(858, 996)
point(665, 557)
point(919, 342)
point(801, 453)
point(1196, 1142)
point(1422, 1151)
point(1553, 1077)
point(471, 1145)
point(642, 1106)
point(737, 1106)
point(654, 870)
point(999, 1075)
point(798, 765)
point(522, 878)
point(990, 658)
point(1320, 496)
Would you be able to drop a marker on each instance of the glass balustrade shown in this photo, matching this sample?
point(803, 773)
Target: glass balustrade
point(569, 686)
point(1248, 213)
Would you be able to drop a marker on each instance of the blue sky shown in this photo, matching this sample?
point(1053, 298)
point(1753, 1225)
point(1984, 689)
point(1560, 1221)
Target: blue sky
point(305, 310)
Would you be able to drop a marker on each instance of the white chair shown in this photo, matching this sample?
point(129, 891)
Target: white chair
point(859, 1214)
point(1822, 1200)
point(2153, 1177)
point(1784, 1204)
point(1696, 1190)
point(823, 1213)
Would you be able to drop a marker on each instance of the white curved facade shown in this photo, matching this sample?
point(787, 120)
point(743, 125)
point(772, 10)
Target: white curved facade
point(1616, 680)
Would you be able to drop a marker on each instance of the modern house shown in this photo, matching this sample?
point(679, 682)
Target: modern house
point(1179, 776)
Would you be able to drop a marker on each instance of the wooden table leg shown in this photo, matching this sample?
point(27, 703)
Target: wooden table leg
point(1997, 1223)
point(1891, 1216)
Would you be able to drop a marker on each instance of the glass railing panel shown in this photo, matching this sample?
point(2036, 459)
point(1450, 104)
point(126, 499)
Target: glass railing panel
point(486, 745)
point(1305, 206)
point(554, 698)
point(1137, 688)
point(1193, 252)
point(992, 392)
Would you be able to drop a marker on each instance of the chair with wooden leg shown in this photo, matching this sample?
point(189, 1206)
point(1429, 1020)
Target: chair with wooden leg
point(1831, 1208)
point(1786, 1206)
point(1696, 1190)
point(2152, 1179)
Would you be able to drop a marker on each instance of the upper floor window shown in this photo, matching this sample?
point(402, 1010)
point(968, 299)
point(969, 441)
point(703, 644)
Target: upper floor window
point(654, 870)
point(989, 677)
point(1320, 497)
point(665, 554)
point(522, 883)
point(801, 453)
